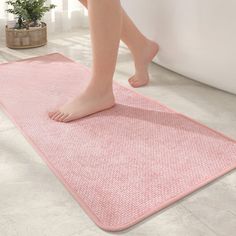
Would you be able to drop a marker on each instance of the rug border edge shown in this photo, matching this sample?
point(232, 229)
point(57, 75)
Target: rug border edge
point(76, 196)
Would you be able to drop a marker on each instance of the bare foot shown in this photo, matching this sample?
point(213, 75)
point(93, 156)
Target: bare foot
point(91, 101)
point(142, 60)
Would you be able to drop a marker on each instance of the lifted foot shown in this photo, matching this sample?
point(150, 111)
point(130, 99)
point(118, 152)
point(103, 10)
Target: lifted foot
point(142, 61)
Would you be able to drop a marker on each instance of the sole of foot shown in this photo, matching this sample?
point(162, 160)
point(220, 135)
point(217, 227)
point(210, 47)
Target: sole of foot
point(141, 76)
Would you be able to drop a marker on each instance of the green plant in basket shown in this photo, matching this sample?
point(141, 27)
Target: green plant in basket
point(28, 12)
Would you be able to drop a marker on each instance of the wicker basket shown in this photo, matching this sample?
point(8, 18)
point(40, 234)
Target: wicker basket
point(26, 38)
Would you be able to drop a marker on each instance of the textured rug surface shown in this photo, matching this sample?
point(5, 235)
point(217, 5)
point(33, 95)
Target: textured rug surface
point(122, 164)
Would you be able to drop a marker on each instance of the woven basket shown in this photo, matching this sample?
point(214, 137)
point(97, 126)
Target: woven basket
point(26, 38)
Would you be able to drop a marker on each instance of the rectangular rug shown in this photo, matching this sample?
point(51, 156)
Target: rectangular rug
point(123, 164)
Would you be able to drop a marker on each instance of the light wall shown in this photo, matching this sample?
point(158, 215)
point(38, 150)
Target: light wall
point(197, 37)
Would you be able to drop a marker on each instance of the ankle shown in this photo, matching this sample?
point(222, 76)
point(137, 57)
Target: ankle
point(146, 53)
point(100, 88)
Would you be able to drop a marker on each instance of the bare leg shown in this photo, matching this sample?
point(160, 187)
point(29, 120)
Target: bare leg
point(105, 19)
point(143, 50)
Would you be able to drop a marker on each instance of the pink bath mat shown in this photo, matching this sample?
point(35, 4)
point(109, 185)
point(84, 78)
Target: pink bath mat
point(122, 164)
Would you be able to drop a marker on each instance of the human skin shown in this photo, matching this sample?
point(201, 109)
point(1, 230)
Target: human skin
point(107, 27)
point(143, 49)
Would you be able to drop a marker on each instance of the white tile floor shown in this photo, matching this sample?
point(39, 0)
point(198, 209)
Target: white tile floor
point(34, 203)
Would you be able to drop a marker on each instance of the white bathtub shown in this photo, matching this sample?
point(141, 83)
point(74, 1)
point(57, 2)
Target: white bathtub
point(197, 37)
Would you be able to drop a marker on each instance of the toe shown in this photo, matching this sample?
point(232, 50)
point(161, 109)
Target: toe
point(136, 84)
point(68, 118)
point(58, 118)
point(51, 113)
point(55, 115)
point(62, 118)
point(131, 79)
point(133, 83)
